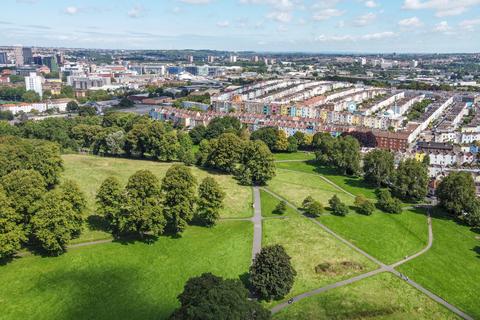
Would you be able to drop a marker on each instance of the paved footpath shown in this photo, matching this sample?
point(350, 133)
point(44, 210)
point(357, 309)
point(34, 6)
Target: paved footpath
point(383, 268)
point(257, 222)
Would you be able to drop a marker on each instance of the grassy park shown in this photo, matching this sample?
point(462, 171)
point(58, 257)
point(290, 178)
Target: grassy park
point(383, 296)
point(451, 268)
point(122, 280)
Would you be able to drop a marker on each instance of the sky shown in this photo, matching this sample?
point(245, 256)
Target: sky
point(361, 26)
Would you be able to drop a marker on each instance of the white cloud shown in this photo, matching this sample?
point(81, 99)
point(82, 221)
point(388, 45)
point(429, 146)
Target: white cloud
point(327, 14)
point(364, 20)
point(412, 22)
point(135, 12)
point(442, 27)
point(277, 4)
point(469, 24)
point(371, 4)
point(196, 1)
point(71, 10)
point(280, 16)
point(442, 8)
point(366, 37)
point(223, 24)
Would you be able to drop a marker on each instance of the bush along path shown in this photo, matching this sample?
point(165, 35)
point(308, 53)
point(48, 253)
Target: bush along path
point(382, 268)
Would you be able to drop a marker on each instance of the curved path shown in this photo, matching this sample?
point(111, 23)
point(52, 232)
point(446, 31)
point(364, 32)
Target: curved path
point(383, 268)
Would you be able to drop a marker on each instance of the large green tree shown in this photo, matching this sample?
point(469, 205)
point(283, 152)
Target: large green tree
point(54, 223)
point(72, 194)
point(12, 233)
point(209, 297)
point(210, 201)
point(257, 164)
point(219, 126)
point(272, 274)
point(178, 189)
point(142, 208)
point(225, 152)
point(378, 167)
point(411, 180)
point(456, 193)
point(109, 202)
point(24, 188)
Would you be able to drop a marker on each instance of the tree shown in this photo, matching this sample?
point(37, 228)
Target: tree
point(12, 233)
point(387, 203)
point(87, 111)
point(71, 193)
point(168, 147)
point(268, 135)
point(125, 103)
point(257, 164)
point(456, 193)
point(323, 144)
point(210, 297)
point(280, 208)
point(219, 126)
point(225, 152)
point(178, 188)
point(142, 209)
point(312, 207)
point(210, 201)
point(346, 155)
point(271, 273)
point(198, 133)
point(72, 106)
point(411, 180)
point(31, 96)
point(6, 115)
point(337, 206)
point(53, 224)
point(378, 167)
point(185, 151)
point(364, 206)
point(24, 188)
point(282, 142)
point(292, 144)
point(109, 202)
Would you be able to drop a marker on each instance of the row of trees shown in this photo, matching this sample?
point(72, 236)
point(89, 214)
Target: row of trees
point(271, 276)
point(146, 207)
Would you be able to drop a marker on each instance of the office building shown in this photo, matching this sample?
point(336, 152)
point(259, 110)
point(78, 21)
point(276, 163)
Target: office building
point(233, 59)
point(23, 56)
point(51, 62)
point(190, 59)
point(3, 58)
point(211, 59)
point(34, 82)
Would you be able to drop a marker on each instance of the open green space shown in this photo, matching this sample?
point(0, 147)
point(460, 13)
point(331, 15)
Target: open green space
point(122, 280)
point(388, 237)
point(451, 268)
point(269, 203)
point(383, 296)
point(354, 185)
point(310, 246)
point(296, 186)
point(90, 171)
point(294, 156)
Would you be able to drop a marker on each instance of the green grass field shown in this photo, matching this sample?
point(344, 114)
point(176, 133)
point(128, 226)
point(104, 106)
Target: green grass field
point(451, 268)
point(294, 156)
point(383, 296)
point(296, 186)
point(90, 171)
point(269, 203)
point(122, 281)
point(354, 185)
point(309, 246)
point(387, 237)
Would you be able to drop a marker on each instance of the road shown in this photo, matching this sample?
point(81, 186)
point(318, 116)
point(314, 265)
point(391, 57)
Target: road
point(383, 268)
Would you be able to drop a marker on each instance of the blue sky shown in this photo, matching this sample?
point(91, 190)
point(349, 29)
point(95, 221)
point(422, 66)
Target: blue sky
point(260, 25)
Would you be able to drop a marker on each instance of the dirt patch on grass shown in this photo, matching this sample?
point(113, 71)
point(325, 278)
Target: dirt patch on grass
point(338, 267)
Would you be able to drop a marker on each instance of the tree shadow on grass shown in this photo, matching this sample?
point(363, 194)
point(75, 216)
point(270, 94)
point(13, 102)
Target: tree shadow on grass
point(103, 292)
point(477, 251)
point(97, 223)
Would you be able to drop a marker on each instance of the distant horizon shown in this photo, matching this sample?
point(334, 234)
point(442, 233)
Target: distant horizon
point(250, 51)
point(310, 26)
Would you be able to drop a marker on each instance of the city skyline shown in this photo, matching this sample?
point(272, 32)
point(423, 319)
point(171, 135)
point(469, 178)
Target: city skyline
point(373, 26)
